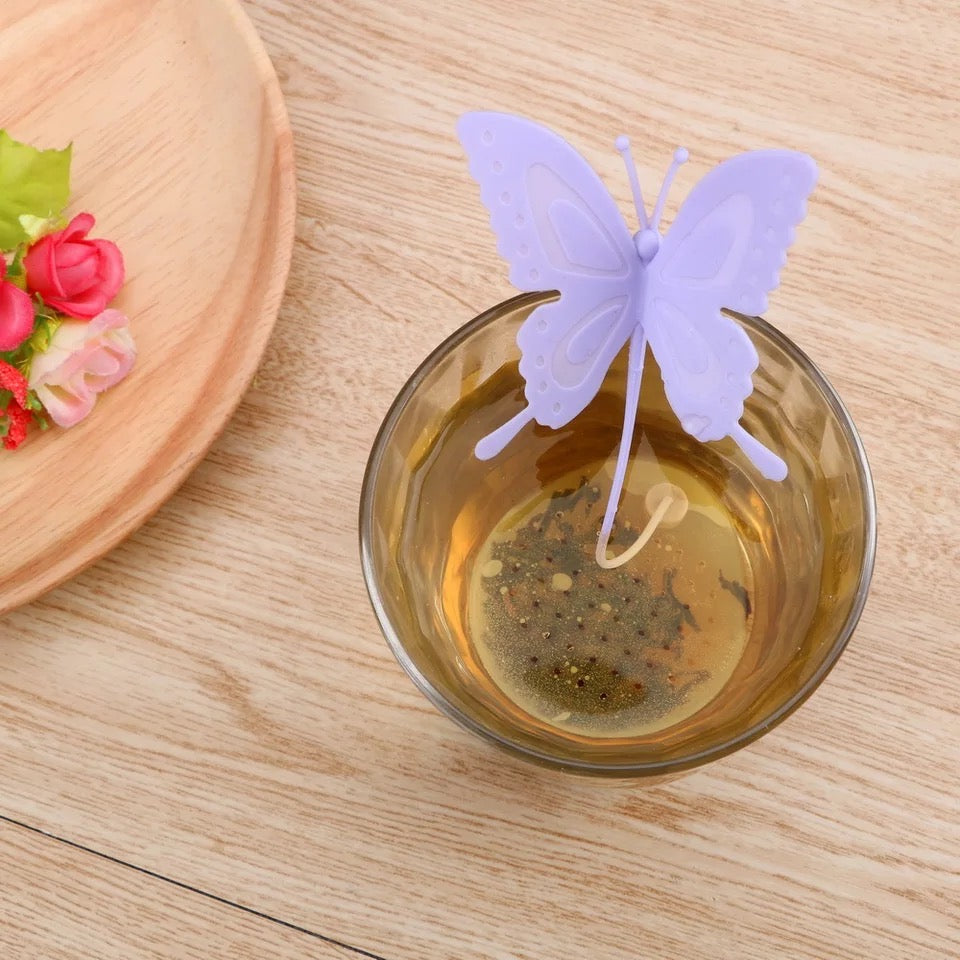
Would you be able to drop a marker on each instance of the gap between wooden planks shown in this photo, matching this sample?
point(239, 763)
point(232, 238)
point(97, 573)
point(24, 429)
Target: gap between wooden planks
point(61, 902)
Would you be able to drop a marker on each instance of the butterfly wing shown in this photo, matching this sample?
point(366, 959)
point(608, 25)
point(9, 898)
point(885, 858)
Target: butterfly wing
point(725, 249)
point(559, 229)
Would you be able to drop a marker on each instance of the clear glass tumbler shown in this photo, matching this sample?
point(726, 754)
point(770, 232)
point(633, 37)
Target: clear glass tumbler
point(422, 481)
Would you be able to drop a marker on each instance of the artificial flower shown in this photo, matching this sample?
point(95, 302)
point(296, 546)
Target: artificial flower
point(16, 417)
point(16, 313)
point(73, 274)
point(82, 360)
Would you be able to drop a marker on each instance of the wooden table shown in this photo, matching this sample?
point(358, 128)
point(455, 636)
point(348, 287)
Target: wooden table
point(207, 749)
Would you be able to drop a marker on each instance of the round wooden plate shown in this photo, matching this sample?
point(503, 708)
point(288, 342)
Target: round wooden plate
point(183, 152)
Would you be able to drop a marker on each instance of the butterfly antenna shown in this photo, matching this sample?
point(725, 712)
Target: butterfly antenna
point(680, 157)
point(623, 146)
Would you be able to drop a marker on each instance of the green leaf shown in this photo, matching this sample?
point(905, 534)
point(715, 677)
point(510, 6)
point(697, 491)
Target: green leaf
point(43, 332)
point(15, 269)
point(33, 183)
point(35, 227)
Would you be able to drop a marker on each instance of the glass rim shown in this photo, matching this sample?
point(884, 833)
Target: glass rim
point(636, 769)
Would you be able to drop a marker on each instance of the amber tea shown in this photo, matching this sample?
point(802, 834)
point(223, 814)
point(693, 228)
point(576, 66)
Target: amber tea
point(622, 653)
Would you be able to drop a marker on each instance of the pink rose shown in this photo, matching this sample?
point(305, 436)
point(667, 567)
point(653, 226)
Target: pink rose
point(83, 359)
point(16, 313)
point(72, 274)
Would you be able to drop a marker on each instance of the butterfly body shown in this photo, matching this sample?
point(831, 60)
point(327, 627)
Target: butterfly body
point(647, 243)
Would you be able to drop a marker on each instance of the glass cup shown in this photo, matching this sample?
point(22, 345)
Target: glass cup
point(423, 488)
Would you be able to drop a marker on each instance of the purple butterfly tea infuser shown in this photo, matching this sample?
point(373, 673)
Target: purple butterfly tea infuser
point(671, 624)
point(559, 228)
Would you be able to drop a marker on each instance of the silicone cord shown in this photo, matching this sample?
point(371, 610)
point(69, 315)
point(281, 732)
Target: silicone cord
point(638, 348)
point(609, 563)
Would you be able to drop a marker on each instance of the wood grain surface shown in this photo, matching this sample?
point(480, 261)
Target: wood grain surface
point(59, 903)
point(182, 150)
point(213, 701)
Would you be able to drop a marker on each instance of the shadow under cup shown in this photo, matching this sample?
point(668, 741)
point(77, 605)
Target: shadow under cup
point(428, 505)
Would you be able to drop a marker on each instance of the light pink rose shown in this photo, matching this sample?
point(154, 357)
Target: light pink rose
point(83, 359)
